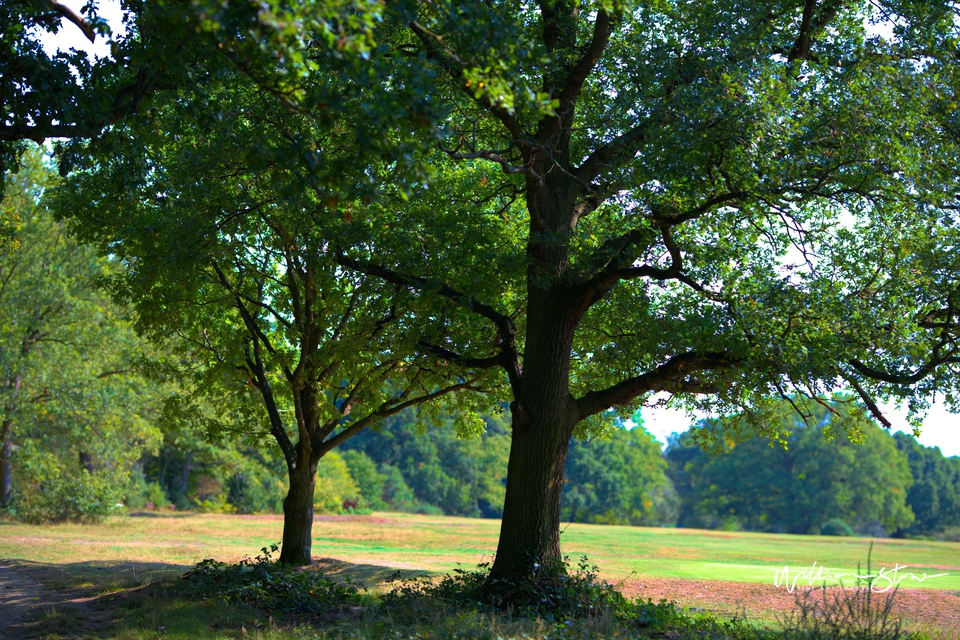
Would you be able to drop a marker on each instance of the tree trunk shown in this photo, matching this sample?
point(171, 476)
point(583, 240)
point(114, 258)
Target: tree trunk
point(298, 517)
point(6, 439)
point(530, 531)
point(543, 421)
point(185, 473)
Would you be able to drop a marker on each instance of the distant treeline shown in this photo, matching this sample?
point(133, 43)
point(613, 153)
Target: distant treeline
point(884, 485)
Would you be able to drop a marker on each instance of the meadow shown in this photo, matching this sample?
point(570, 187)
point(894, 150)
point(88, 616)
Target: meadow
point(725, 573)
point(418, 544)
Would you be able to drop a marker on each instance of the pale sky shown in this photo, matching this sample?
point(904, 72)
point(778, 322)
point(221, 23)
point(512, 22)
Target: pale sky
point(940, 429)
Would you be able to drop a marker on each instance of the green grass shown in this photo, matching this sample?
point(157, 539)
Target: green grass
point(159, 545)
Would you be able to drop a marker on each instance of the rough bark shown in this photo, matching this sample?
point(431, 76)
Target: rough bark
point(298, 517)
point(544, 416)
point(530, 529)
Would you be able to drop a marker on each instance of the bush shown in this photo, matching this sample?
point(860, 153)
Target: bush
point(269, 586)
point(47, 491)
point(950, 534)
point(145, 495)
point(253, 492)
point(335, 486)
point(552, 592)
point(575, 601)
point(216, 504)
point(157, 496)
point(836, 527)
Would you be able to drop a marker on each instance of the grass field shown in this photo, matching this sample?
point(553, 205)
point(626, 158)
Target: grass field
point(155, 545)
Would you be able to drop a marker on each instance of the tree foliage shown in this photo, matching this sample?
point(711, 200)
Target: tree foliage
point(76, 413)
point(227, 237)
point(415, 468)
point(618, 479)
point(728, 203)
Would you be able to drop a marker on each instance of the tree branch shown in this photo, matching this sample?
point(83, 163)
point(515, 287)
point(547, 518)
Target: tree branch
point(471, 363)
point(669, 376)
point(248, 318)
point(506, 329)
point(810, 28)
point(255, 364)
point(73, 17)
point(900, 379)
point(433, 44)
point(140, 89)
point(617, 150)
point(602, 29)
point(493, 156)
point(385, 411)
point(871, 405)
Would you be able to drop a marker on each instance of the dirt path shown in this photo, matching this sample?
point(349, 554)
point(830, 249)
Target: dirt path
point(23, 596)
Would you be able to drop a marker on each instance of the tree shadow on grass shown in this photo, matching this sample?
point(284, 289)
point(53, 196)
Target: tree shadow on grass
point(92, 577)
point(110, 598)
point(74, 598)
point(371, 576)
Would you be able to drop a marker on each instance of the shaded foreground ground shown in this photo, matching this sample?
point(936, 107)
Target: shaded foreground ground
point(25, 598)
point(72, 570)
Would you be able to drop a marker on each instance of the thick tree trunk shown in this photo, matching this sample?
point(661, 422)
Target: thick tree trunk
point(298, 517)
point(543, 421)
point(530, 531)
point(6, 440)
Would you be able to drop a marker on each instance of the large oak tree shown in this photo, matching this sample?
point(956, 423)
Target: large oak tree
point(720, 202)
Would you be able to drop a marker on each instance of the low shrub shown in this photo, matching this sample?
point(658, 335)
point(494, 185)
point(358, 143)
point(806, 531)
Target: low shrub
point(270, 587)
point(216, 504)
point(836, 527)
point(145, 495)
point(950, 534)
point(47, 490)
point(554, 592)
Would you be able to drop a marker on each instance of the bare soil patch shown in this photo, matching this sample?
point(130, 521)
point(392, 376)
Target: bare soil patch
point(926, 606)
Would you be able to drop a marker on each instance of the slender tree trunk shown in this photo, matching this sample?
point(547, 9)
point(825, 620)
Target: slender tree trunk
point(163, 469)
point(298, 517)
point(185, 474)
point(6, 440)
